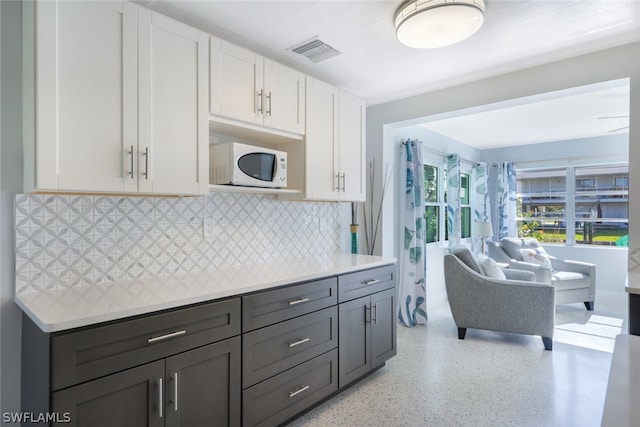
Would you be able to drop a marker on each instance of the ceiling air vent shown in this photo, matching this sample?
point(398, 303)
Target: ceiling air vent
point(316, 50)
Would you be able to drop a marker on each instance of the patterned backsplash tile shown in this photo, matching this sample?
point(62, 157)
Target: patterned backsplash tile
point(634, 260)
point(64, 241)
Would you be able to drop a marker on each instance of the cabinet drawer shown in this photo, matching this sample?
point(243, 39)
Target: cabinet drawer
point(284, 396)
point(91, 353)
point(266, 308)
point(356, 285)
point(271, 350)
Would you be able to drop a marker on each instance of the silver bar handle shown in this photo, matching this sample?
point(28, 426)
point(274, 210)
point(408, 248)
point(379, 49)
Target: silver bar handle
point(146, 163)
point(298, 301)
point(338, 187)
point(344, 182)
point(295, 343)
point(166, 336)
point(131, 154)
point(174, 377)
point(160, 394)
point(367, 309)
point(371, 282)
point(374, 313)
point(269, 98)
point(259, 102)
point(298, 391)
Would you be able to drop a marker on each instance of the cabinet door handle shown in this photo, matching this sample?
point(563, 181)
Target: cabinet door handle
point(298, 391)
point(174, 400)
point(131, 154)
point(146, 163)
point(298, 301)
point(367, 314)
point(374, 313)
point(371, 282)
point(295, 343)
point(344, 182)
point(160, 395)
point(166, 336)
point(269, 98)
point(338, 177)
point(259, 101)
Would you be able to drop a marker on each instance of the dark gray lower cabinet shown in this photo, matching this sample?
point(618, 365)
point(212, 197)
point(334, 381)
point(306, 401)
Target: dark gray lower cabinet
point(126, 399)
point(279, 398)
point(200, 387)
point(366, 334)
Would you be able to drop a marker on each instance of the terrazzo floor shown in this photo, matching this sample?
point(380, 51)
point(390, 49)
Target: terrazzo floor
point(487, 379)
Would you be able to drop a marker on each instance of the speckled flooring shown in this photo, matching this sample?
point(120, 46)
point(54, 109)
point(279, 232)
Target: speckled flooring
point(487, 379)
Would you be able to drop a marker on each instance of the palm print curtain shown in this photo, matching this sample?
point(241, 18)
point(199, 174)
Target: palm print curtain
point(412, 287)
point(506, 188)
point(480, 199)
point(453, 199)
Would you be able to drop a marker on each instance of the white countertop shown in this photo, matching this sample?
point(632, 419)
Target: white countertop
point(621, 403)
point(633, 282)
point(86, 305)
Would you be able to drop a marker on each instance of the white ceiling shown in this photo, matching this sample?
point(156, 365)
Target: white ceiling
point(516, 34)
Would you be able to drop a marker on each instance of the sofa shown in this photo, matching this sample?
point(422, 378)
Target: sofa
point(574, 281)
point(511, 303)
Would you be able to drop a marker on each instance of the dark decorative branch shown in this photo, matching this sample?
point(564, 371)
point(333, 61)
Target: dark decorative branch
point(370, 226)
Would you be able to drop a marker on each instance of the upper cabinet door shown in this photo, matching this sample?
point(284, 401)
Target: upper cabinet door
point(173, 119)
point(322, 168)
point(284, 97)
point(352, 147)
point(85, 99)
point(236, 82)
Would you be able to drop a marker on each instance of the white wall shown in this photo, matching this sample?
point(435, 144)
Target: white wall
point(611, 64)
point(10, 184)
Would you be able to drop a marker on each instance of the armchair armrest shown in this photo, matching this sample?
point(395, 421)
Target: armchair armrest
point(513, 274)
point(543, 275)
point(573, 266)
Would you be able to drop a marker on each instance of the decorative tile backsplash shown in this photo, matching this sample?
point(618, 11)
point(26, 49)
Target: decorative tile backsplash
point(634, 260)
point(64, 241)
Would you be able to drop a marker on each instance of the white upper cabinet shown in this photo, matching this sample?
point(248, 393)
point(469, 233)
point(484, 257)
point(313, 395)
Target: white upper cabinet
point(115, 99)
point(173, 121)
point(86, 97)
point(335, 144)
point(248, 87)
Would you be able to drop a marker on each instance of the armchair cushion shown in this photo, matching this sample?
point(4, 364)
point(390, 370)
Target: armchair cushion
point(468, 257)
point(491, 268)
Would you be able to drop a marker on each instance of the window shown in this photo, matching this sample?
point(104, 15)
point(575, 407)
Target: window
point(432, 203)
point(542, 205)
point(602, 211)
point(621, 181)
point(597, 212)
point(465, 206)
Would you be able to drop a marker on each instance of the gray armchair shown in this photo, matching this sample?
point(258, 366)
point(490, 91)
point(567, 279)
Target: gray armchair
point(574, 281)
point(505, 305)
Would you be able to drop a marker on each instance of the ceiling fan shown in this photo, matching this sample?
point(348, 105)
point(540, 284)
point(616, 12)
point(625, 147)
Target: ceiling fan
point(616, 117)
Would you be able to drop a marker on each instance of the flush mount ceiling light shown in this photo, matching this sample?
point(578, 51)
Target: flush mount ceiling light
point(430, 24)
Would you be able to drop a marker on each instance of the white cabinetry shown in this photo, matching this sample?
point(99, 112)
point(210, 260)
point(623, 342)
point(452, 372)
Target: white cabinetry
point(335, 144)
point(248, 87)
point(173, 120)
point(115, 100)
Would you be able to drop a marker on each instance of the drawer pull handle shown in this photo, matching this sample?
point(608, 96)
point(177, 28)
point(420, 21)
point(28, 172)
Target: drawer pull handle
point(371, 282)
point(166, 337)
point(300, 390)
point(295, 343)
point(298, 301)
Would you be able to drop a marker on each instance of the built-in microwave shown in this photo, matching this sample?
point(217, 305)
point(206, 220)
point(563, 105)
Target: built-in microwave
point(242, 164)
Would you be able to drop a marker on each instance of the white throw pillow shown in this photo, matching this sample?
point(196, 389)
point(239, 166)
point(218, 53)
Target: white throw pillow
point(536, 256)
point(490, 267)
